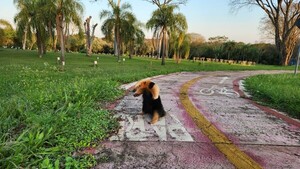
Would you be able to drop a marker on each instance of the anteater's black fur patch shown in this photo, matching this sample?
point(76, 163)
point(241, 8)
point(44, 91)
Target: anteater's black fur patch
point(150, 105)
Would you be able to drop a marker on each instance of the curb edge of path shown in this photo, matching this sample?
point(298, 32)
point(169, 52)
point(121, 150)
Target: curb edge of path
point(267, 110)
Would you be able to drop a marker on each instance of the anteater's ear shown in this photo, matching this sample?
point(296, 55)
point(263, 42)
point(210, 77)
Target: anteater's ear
point(151, 84)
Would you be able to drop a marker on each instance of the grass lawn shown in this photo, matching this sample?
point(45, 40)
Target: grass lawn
point(46, 114)
point(281, 91)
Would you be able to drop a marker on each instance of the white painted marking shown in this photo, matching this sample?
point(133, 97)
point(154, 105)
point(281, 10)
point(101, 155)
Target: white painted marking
point(223, 80)
point(161, 132)
point(174, 118)
point(220, 90)
point(136, 131)
point(133, 128)
point(179, 133)
point(185, 136)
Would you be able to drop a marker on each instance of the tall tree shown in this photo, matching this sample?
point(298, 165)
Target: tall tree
point(181, 46)
point(23, 20)
point(42, 17)
point(132, 34)
point(112, 25)
point(67, 12)
point(89, 37)
point(31, 16)
point(282, 15)
point(163, 21)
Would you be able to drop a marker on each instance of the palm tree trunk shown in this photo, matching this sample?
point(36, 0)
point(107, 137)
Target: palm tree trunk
point(50, 32)
point(62, 46)
point(92, 39)
point(163, 48)
point(87, 35)
point(118, 42)
point(116, 45)
point(159, 46)
point(39, 43)
point(60, 32)
point(131, 48)
point(25, 37)
point(55, 41)
point(66, 38)
point(44, 47)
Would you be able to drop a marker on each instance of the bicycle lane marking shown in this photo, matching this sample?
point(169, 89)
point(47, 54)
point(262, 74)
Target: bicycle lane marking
point(219, 89)
point(238, 158)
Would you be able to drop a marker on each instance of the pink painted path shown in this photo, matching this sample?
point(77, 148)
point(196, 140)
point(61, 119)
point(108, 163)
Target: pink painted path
point(176, 142)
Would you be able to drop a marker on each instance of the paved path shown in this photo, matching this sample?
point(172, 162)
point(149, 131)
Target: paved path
point(208, 125)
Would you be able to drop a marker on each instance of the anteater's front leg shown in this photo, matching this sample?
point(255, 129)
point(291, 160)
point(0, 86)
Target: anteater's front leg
point(155, 117)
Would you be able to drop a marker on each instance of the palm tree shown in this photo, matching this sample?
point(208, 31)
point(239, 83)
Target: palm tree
point(181, 45)
point(42, 17)
point(132, 34)
point(115, 19)
point(31, 17)
point(23, 20)
point(67, 12)
point(164, 21)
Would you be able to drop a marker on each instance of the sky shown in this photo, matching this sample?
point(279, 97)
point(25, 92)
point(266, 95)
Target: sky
point(209, 18)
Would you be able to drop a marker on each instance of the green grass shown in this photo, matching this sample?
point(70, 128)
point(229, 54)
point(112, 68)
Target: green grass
point(46, 114)
point(279, 91)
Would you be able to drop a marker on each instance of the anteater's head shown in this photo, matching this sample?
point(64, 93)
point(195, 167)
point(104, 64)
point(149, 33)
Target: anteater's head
point(146, 84)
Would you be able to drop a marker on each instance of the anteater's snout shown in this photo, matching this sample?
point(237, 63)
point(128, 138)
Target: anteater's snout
point(136, 94)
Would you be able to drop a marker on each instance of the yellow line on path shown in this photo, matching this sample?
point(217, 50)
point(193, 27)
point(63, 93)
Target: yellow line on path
point(238, 158)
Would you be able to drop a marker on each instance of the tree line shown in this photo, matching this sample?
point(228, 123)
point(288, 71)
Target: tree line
point(221, 47)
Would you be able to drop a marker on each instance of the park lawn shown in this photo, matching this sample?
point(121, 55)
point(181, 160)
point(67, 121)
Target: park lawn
point(280, 91)
point(48, 113)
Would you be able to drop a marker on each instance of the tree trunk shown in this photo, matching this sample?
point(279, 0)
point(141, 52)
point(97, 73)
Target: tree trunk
point(44, 47)
point(287, 56)
point(60, 29)
point(50, 32)
point(159, 47)
point(87, 35)
point(118, 43)
point(163, 48)
point(177, 56)
point(39, 43)
point(55, 41)
point(62, 45)
point(25, 38)
point(66, 37)
point(92, 39)
point(131, 49)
